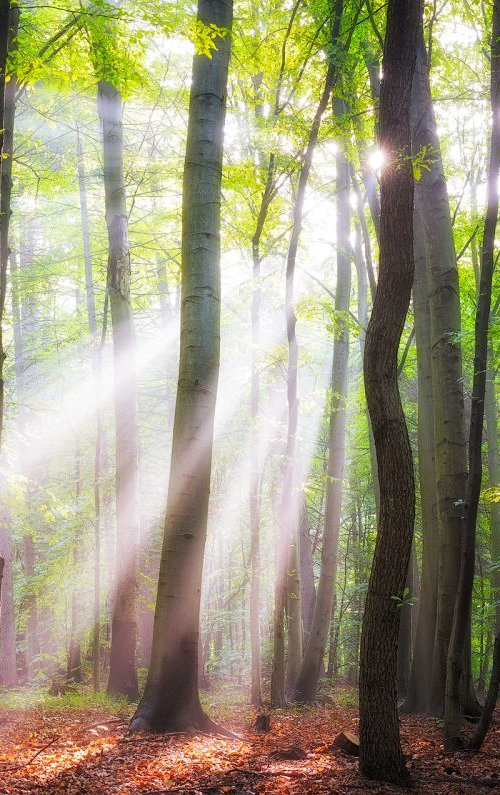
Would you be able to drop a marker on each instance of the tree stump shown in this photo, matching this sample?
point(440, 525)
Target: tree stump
point(348, 743)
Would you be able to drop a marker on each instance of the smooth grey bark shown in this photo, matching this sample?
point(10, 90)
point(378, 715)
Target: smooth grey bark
point(74, 659)
point(381, 756)
point(8, 666)
point(312, 663)
point(294, 615)
point(5, 23)
point(307, 584)
point(432, 203)
point(417, 697)
point(26, 330)
point(122, 673)
point(96, 346)
point(461, 616)
point(289, 502)
point(171, 699)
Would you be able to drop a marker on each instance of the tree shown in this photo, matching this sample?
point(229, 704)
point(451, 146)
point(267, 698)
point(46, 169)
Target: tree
point(432, 203)
point(307, 683)
point(122, 671)
point(380, 749)
point(462, 611)
point(171, 700)
point(4, 41)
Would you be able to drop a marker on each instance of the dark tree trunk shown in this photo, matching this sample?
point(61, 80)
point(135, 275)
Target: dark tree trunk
point(380, 748)
point(405, 635)
point(461, 616)
point(171, 698)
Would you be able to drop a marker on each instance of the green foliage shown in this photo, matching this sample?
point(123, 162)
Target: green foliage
point(204, 37)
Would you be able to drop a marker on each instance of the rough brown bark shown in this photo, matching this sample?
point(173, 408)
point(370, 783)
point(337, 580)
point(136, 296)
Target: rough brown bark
point(380, 748)
point(171, 699)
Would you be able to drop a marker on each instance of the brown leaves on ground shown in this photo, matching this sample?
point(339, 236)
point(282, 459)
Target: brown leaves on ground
point(91, 753)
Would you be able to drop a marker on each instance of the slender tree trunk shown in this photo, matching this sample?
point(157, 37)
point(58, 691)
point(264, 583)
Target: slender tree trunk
point(96, 347)
point(312, 663)
point(8, 666)
point(74, 663)
point(431, 202)
point(491, 414)
point(461, 617)
point(255, 496)
point(5, 23)
point(122, 673)
point(417, 699)
point(404, 636)
point(294, 617)
point(307, 585)
point(289, 503)
point(171, 699)
point(380, 748)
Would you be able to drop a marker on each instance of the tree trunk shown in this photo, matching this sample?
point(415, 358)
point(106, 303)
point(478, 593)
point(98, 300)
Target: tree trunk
point(431, 202)
point(5, 154)
point(312, 664)
point(255, 496)
point(380, 748)
point(294, 618)
point(74, 663)
point(122, 673)
point(96, 347)
point(8, 666)
point(461, 617)
point(404, 636)
point(417, 699)
point(307, 585)
point(171, 699)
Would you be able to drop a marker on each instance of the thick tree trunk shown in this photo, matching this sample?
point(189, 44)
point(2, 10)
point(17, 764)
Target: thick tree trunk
point(417, 699)
point(122, 672)
point(431, 202)
point(461, 617)
point(380, 748)
point(171, 699)
point(312, 664)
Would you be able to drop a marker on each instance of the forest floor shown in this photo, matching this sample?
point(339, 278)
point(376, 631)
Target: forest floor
point(78, 746)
